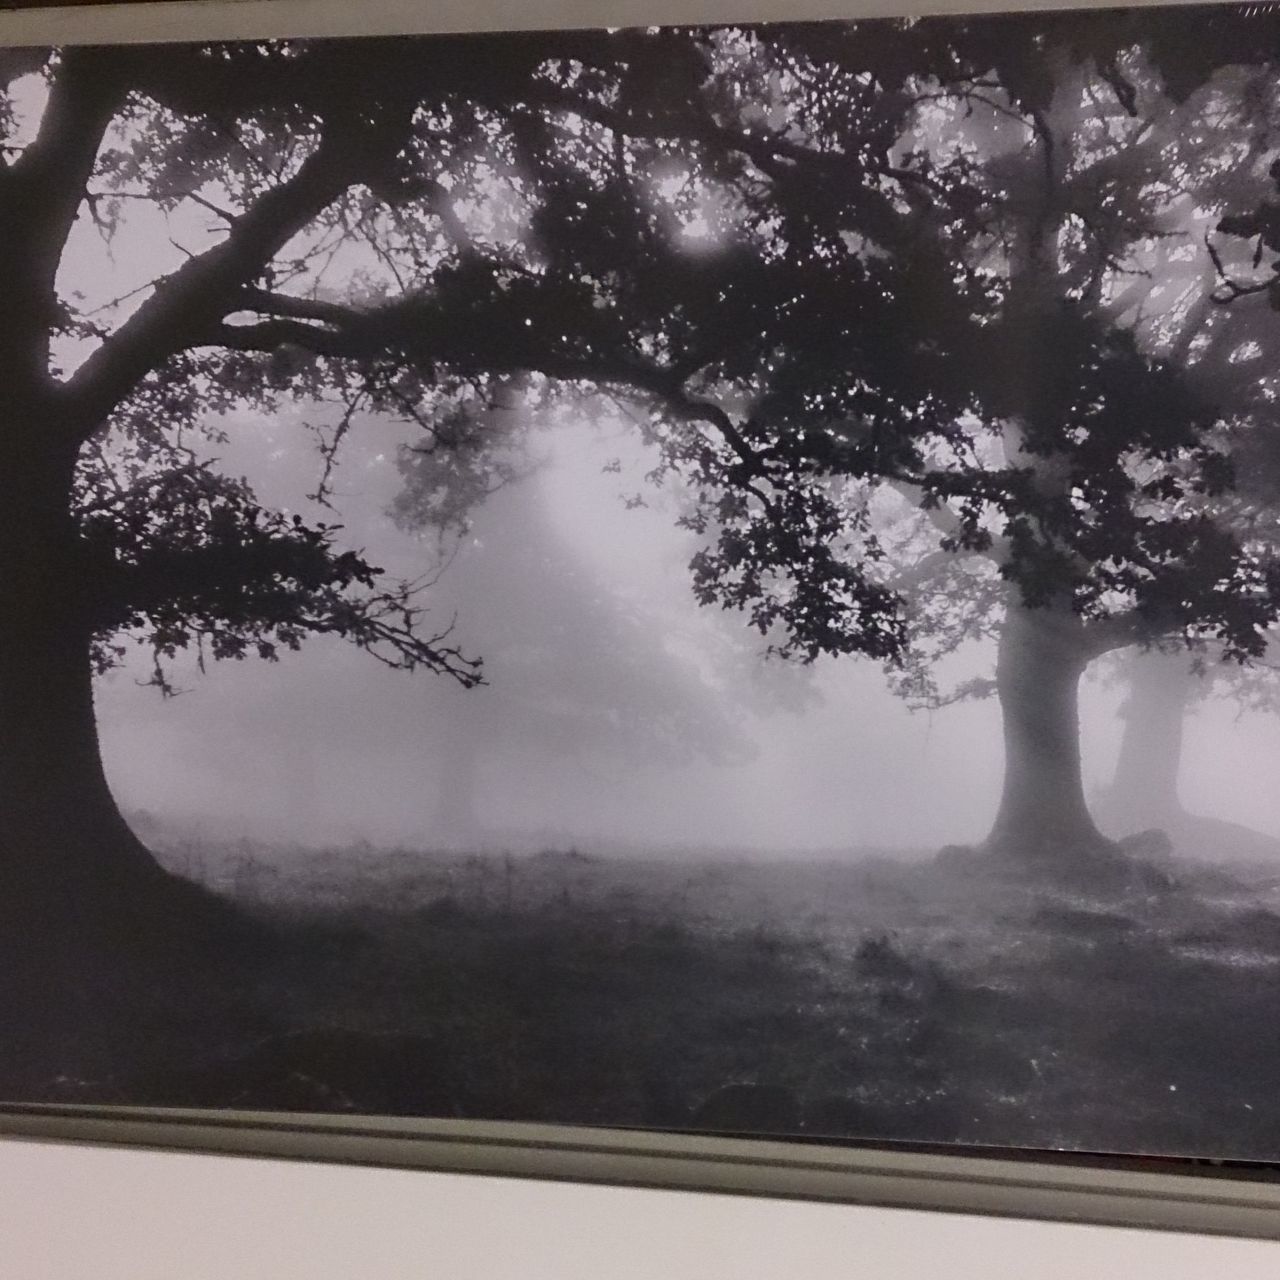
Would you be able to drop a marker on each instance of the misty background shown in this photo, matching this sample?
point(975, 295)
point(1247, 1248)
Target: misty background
point(578, 599)
point(327, 746)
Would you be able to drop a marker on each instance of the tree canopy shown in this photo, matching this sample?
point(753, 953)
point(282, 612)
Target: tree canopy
point(915, 264)
point(881, 293)
point(800, 246)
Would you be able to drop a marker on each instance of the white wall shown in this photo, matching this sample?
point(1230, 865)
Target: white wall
point(69, 1213)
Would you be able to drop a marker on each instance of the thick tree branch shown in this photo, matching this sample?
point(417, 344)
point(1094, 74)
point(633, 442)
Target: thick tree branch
point(272, 335)
point(196, 297)
point(49, 179)
point(40, 197)
point(1118, 631)
point(284, 304)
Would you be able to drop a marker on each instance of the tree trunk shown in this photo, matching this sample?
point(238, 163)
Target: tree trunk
point(59, 822)
point(71, 870)
point(1143, 795)
point(1043, 815)
point(1144, 791)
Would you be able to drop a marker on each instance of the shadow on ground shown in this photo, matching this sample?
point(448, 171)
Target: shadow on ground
point(868, 1000)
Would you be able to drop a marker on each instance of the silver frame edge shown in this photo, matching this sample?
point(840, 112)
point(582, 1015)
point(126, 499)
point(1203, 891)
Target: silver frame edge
point(176, 20)
point(1028, 1186)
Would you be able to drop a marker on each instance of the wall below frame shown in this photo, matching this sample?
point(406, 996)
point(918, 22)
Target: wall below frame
point(87, 1213)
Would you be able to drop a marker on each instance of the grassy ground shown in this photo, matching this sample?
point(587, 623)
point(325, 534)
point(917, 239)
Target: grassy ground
point(865, 999)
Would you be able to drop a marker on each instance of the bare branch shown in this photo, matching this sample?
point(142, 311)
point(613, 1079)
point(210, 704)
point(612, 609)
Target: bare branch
point(195, 298)
point(328, 443)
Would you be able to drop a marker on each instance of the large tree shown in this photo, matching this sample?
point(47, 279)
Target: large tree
point(850, 267)
point(110, 525)
point(1226, 334)
point(321, 195)
point(578, 669)
point(824, 258)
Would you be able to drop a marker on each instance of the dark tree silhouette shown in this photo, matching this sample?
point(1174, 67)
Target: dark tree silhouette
point(109, 525)
point(910, 262)
point(832, 262)
point(280, 160)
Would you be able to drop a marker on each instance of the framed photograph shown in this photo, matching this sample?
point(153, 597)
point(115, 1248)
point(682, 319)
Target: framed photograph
point(670, 596)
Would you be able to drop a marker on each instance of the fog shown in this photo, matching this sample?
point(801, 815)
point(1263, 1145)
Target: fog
point(901, 340)
point(580, 604)
point(618, 712)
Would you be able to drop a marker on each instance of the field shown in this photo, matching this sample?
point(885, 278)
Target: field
point(860, 997)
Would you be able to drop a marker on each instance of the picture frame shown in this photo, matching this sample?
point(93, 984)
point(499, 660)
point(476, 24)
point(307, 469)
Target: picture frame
point(1192, 1193)
point(1203, 1198)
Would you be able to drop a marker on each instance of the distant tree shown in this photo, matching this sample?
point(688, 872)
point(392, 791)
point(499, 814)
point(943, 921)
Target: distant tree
point(1226, 335)
point(1143, 792)
point(574, 670)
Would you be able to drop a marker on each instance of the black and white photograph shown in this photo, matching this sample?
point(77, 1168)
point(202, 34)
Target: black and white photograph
point(716, 578)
